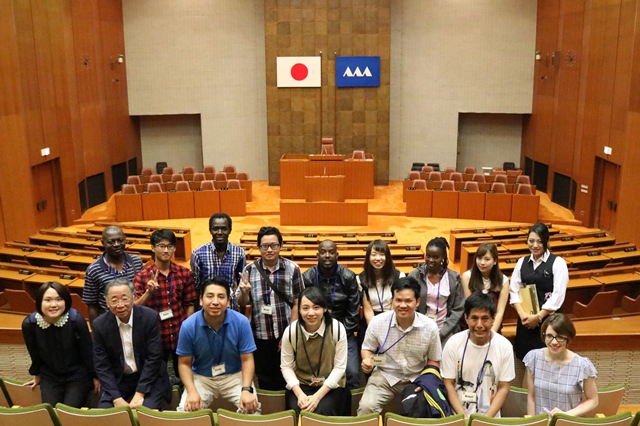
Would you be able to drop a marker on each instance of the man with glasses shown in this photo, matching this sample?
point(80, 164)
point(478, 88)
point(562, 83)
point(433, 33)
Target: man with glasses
point(127, 352)
point(271, 285)
point(397, 346)
point(219, 257)
point(114, 263)
point(477, 364)
point(168, 289)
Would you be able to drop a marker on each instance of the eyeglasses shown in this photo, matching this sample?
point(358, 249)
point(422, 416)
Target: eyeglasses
point(560, 339)
point(116, 302)
point(272, 246)
point(163, 247)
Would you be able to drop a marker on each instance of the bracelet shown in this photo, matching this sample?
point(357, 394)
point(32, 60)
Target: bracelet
point(539, 317)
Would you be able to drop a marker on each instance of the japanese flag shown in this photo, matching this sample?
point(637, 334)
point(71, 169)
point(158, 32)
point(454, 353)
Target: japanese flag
point(298, 71)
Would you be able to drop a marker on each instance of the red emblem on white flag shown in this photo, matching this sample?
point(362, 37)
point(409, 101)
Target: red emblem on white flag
point(298, 71)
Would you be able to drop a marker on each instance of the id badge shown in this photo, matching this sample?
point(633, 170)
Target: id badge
point(166, 314)
point(469, 397)
point(378, 360)
point(266, 310)
point(217, 370)
point(317, 381)
point(432, 316)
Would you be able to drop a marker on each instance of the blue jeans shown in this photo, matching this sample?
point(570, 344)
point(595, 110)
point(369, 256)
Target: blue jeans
point(353, 362)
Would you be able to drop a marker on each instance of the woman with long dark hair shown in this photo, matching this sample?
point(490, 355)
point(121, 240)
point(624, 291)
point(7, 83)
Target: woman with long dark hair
point(485, 276)
point(378, 275)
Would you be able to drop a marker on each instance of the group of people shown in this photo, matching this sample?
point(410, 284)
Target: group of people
point(224, 323)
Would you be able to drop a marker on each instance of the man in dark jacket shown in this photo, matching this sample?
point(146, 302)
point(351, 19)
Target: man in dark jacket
point(340, 289)
point(127, 351)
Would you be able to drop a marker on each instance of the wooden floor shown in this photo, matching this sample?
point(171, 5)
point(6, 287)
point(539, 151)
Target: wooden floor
point(386, 212)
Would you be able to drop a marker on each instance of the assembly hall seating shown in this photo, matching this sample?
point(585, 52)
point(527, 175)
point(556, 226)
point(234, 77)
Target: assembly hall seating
point(518, 245)
point(302, 248)
point(466, 200)
point(181, 201)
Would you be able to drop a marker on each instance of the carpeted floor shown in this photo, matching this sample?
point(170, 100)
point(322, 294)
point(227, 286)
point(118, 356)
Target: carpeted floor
point(386, 212)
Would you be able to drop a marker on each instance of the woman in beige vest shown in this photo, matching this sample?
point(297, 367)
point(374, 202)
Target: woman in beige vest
point(314, 359)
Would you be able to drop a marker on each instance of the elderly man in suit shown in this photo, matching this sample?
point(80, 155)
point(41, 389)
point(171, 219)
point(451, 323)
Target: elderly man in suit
point(128, 351)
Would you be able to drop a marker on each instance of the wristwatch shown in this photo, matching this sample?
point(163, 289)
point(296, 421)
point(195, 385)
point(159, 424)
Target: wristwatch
point(248, 389)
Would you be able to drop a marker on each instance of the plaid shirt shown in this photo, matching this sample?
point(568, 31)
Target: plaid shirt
point(100, 273)
point(287, 278)
point(206, 264)
point(176, 292)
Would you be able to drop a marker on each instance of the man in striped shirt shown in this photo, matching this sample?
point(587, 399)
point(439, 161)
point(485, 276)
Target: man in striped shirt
point(219, 258)
point(114, 263)
point(271, 285)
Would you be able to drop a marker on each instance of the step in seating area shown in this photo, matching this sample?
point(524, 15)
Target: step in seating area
point(302, 248)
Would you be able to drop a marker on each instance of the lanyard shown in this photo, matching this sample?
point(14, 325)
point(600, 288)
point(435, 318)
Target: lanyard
point(307, 353)
point(382, 352)
point(380, 299)
point(335, 279)
point(170, 287)
point(267, 295)
point(437, 296)
point(480, 377)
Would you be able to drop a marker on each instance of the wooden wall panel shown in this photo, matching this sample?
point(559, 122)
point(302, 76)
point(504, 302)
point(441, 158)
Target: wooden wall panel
point(620, 98)
point(537, 136)
point(567, 81)
point(596, 106)
point(53, 94)
point(358, 118)
point(17, 206)
point(606, 82)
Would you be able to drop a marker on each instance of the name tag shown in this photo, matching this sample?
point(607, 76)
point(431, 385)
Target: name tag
point(266, 310)
point(378, 360)
point(469, 397)
point(317, 381)
point(217, 370)
point(432, 316)
point(165, 315)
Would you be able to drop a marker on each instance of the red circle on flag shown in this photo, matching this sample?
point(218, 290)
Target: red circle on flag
point(299, 72)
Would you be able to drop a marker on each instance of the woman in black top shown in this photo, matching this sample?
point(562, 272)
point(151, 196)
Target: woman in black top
point(61, 349)
point(550, 275)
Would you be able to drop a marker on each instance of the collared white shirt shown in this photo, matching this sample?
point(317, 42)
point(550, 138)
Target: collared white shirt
point(560, 281)
point(406, 359)
point(126, 336)
point(288, 363)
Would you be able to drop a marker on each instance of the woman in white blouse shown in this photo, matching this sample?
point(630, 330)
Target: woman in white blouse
point(314, 359)
point(550, 275)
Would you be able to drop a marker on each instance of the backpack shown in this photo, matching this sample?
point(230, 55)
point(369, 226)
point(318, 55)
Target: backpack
point(432, 402)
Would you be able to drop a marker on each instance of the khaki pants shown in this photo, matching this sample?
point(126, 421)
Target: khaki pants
point(227, 386)
point(378, 392)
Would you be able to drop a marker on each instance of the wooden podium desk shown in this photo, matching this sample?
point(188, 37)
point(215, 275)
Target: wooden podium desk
point(324, 213)
point(358, 174)
point(324, 188)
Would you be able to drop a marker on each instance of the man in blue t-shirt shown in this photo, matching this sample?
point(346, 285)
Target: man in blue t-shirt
point(215, 350)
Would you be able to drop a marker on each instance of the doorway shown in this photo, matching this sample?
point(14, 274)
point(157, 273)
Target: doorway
point(606, 181)
point(47, 193)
